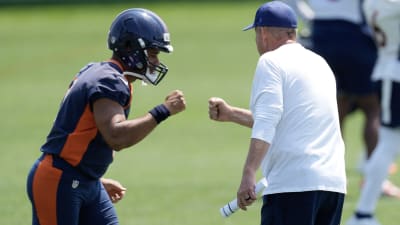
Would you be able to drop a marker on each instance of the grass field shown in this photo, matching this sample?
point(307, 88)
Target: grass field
point(189, 166)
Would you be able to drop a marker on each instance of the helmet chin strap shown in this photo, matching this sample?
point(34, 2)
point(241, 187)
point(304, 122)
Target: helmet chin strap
point(127, 73)
point(145, 80)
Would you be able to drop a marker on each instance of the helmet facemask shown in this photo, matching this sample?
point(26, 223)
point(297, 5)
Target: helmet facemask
point(152, 76)
point(139, 66)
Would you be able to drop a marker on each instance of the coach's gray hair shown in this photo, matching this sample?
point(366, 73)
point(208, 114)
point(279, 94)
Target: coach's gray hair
point(281, 32)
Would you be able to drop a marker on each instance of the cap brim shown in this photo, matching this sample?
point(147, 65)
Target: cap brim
point(251, 26)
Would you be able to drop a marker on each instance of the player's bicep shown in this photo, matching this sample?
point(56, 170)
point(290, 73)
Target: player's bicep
point(107, 114)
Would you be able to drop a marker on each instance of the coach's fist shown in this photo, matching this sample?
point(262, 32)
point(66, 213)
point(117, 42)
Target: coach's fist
point(218, 109)
point(175, 102)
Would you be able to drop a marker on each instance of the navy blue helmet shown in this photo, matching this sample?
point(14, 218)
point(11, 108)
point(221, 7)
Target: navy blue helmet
point(133, 32)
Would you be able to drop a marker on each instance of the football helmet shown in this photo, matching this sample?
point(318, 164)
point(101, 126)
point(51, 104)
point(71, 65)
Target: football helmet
point(134, 31)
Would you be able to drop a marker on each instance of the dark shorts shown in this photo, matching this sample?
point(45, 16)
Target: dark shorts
point(389, 96)
point(62, 196)
point(302, 208)
point(349, 51)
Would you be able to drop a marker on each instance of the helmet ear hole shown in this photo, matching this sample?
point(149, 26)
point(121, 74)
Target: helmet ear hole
point(128, 46)
point(139, 65)
point(131, 45)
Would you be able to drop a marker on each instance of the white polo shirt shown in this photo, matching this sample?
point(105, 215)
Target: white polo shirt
point(293, 102)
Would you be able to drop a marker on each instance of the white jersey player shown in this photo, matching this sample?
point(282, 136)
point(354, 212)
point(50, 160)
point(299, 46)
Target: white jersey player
point(348, 10)
point(384, 17)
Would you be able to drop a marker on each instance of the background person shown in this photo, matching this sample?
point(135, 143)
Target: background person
point(384, 17)
point(338, 31)
point(295, 127)
point(64, 184)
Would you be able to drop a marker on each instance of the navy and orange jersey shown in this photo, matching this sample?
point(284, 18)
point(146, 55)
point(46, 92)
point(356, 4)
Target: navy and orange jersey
point(74, 136)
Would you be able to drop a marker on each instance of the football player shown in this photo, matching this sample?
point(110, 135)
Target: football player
point(65, 184)
point(384, 18)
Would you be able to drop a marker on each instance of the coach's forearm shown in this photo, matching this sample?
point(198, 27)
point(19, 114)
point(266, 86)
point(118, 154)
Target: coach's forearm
point(242, 116)
point(257, 150)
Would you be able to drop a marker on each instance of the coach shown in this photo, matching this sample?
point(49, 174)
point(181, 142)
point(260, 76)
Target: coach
point(295, 127)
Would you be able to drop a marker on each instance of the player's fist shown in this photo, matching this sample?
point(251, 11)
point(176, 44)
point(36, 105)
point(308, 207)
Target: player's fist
point(175, 102)
point(218, 109)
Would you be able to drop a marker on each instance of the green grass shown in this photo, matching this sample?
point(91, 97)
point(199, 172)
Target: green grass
point(189, 166)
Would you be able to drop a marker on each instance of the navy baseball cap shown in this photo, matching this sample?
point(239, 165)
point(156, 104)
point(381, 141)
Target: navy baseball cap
point(274, 14)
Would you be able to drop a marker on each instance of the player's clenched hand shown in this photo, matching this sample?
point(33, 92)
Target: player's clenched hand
point(218, 109)
point(175, 102)
point(114, 189)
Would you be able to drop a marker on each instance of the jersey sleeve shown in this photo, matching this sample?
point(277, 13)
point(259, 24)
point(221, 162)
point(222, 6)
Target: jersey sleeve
point(110, 87)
